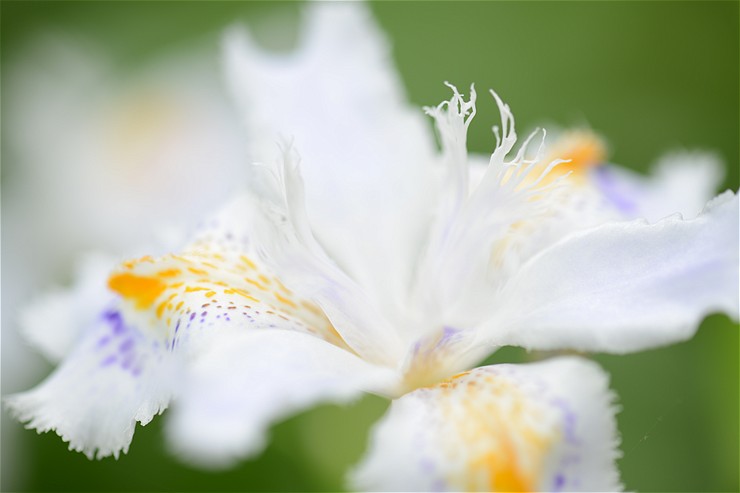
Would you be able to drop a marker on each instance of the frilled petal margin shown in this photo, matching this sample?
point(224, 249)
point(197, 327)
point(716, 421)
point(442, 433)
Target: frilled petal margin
point(210, 328)
point(244, 381)
point(624, 286)
point(115, 377)
point(545, 426)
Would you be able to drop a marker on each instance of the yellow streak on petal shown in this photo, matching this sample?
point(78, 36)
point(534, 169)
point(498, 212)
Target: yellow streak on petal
point(285, 301)
point(498, 426)
point(255, 284)
point(143, 290)
point(241, 293)
point(264, 279)
point(248, 261)
point(192, 289)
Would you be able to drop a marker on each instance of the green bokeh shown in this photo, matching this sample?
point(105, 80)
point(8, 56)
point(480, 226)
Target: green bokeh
point(651, 76)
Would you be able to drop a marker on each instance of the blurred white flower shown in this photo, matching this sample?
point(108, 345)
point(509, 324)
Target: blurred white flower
point(112, 155)
point(99, 158)
point(390, 270)
point(96, 158)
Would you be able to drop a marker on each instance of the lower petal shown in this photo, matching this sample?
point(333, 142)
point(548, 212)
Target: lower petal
point(115, 377)
point(243, 381)
point(543, 426)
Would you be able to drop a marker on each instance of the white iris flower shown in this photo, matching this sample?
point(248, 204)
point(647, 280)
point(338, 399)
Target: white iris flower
point(384, 266)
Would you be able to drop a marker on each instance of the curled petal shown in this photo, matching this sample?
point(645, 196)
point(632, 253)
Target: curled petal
point(540, 427)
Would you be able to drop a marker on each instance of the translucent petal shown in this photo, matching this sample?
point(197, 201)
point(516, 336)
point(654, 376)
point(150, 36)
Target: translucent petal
point(680, 182)
point(287, 246)
point(365, 152)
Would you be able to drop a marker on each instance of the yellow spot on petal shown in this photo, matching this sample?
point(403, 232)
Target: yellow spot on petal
point(192, 289)
point(285, 301)
point(255, 284)
point(248, 261)
point(264, 278)
point(142, 290)
point(241, 293)
point(312, 308)
point(169, 273)
point(199, 272)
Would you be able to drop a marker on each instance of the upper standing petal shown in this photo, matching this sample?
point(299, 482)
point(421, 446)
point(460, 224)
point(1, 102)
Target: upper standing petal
point(365, 152)
point(624, 286)
point(286, 245)
point(540, 427)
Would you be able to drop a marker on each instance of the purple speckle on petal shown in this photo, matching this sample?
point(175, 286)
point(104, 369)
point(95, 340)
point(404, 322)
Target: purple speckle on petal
point(569, 419)
point(115, 320)
point(126, 345)
point(448, 334)
point(103, 341)
point(439, 485)
point(126, 364)
point(108, 361)
point(192, 316)
point(559, 482)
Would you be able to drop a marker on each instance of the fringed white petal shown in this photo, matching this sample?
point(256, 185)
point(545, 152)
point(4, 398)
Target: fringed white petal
point(168, 309)
point(624, 286)
point(366, 154)
point(287, 246)
point(539, 427)
point(116, 376)
point(240, 383)
point(456, 276)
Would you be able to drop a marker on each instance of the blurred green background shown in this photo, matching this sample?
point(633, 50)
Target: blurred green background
point(650, 76)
